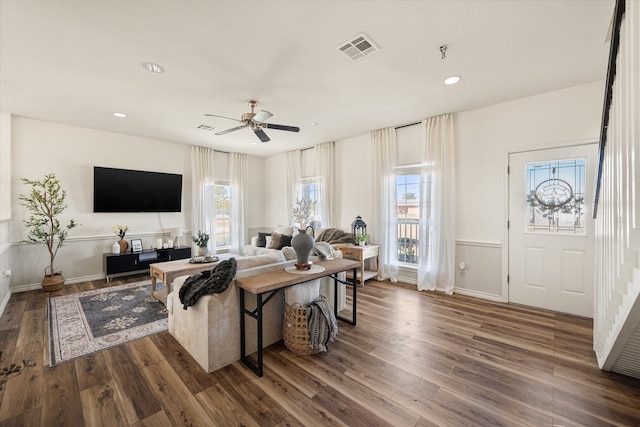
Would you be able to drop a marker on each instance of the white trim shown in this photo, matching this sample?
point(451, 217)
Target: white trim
point(495, 245)
point(407, 275)
point(110, 237)
point(4, 248)
point(4, 303)
point(478, 294)
point(38, 286)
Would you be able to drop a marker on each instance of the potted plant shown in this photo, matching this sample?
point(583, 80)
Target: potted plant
point(202, 240)
point(45, 202)
point(362, 239)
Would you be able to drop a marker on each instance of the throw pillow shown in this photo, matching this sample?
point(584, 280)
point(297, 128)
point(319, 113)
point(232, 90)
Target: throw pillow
point(275, 240)
point(279, 241)
point(262, 239)
point(285, 241)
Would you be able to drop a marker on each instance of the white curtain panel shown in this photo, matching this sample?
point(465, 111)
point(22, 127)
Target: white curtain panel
point(324, 170)
point(383, 226)
point(239, 181)
point(202, 175)
point(437, 225)
point(294, 175)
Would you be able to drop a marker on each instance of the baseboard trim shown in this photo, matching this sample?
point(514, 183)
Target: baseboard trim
point(71, 281)
point(478, 294)
point(4, 303)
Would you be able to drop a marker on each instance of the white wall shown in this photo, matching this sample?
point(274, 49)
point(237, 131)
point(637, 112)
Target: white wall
point(484, 137)
point(71, 152)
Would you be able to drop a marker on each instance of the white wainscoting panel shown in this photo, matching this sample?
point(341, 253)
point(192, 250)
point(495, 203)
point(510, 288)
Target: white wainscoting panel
point(482, 273)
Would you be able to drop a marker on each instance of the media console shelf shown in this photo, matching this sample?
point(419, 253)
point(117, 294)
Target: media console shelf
point(130, 263)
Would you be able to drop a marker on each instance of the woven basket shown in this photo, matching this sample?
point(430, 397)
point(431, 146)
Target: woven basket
point(296, 330)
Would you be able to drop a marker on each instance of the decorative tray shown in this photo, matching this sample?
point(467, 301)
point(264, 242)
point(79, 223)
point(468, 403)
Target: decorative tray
point(204, 260)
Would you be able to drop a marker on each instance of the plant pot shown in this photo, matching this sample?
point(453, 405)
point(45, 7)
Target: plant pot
point(124, 245)
point(53, 283)
point(202, 250)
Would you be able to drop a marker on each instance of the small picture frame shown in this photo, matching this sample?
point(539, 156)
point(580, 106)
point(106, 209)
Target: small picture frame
point(136, 245)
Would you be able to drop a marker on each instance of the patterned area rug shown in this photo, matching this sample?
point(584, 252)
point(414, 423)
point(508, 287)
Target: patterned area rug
point(90, 321)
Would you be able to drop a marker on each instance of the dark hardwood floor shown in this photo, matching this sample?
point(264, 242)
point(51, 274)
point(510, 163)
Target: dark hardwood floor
point(414, 359)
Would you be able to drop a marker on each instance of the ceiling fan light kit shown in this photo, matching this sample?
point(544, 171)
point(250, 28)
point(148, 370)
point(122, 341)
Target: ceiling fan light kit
point(255, 121)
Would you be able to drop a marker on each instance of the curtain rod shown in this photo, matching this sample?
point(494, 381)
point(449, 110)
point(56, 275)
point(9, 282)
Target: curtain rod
point(407, 125)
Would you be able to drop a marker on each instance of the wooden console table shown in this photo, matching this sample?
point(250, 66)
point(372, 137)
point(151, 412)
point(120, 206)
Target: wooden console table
point(268, 284)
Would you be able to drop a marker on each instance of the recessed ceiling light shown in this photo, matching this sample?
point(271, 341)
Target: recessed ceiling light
point(314, 123)
point(121, 115)
point(451, 80)
point(154, 68)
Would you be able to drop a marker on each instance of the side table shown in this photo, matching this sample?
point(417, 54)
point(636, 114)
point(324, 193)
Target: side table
point(362, 253)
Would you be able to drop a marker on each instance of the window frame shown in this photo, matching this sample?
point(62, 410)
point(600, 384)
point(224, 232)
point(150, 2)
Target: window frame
point(411, 242)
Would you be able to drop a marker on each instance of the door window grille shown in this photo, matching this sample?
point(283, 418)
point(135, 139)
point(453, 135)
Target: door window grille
point(555, 197)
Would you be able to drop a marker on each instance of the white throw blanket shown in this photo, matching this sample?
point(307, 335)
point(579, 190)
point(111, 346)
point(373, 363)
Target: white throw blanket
point(323, 250)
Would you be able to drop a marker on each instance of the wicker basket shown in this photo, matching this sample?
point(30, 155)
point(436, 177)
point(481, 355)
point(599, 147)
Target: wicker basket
point(296, 330)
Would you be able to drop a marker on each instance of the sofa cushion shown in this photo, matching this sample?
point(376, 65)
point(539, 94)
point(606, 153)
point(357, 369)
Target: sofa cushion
point(255, 261)
point(250, 250)
point(284, 229)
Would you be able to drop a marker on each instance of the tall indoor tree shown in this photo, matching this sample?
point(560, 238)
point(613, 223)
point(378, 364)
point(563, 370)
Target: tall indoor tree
point(45, 202)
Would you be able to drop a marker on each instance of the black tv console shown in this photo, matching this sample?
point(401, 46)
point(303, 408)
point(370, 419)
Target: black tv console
point(130, 262)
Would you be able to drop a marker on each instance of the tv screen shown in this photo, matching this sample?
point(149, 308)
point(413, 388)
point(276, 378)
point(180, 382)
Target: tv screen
point(123, 190)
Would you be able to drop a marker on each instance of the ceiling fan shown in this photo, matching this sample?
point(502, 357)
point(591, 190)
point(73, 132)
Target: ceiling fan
point(255, 121)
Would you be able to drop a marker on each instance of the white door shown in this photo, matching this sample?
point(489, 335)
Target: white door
point(551, 242)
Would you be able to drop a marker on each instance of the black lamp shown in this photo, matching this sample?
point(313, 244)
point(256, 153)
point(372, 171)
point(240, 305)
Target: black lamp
point(358, 228)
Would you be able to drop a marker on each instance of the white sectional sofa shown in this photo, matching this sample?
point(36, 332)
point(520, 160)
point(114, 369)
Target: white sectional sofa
point(210, 329)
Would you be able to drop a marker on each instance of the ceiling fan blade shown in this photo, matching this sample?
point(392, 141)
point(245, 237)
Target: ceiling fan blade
point(260, 134)
point(262, 116)
point(281, 127)
point(223, 117)
point(223, 132)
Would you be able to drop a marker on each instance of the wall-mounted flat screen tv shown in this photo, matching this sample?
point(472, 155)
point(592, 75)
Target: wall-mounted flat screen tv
point(124, 190)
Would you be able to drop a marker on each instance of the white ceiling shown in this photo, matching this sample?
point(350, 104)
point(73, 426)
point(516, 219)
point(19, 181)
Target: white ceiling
point(77, 61)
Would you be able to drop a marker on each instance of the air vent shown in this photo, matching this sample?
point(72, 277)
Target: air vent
point(206, 127)
point(358, 47)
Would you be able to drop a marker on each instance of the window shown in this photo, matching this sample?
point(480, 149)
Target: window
point(408, 212)
point(219, 195)
point(309, 189)
point(223, 213)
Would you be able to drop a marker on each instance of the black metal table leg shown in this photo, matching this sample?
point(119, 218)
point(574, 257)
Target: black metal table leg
point(354, 286)
point(260, 350)
point(242, 328)
point(257, 368)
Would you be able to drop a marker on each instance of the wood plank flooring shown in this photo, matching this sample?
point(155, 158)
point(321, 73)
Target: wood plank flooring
point(414, 359)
